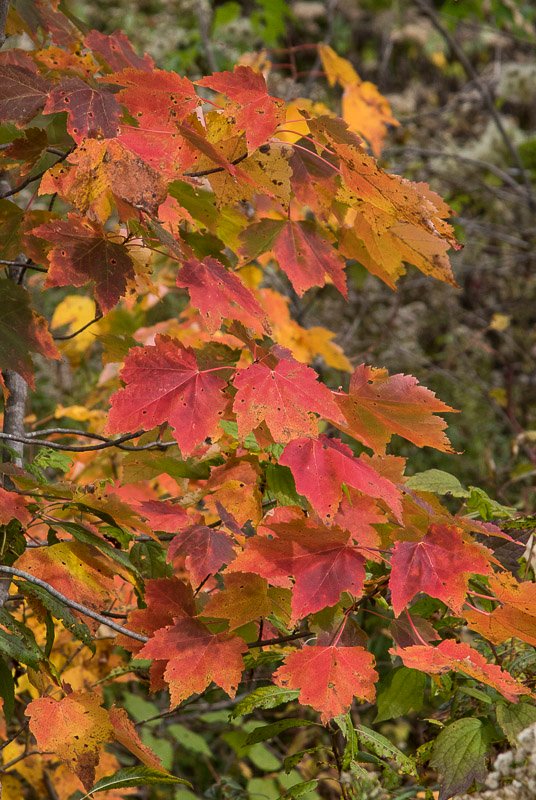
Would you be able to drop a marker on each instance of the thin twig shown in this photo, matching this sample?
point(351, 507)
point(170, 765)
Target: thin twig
point(26, 264)
point(281, 639)
point(88, 612)
point(202, 173)
point(471, 72)
point(75, 333)
point(31, 178)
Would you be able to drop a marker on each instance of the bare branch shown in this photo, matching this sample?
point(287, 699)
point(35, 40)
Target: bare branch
point(76, 448)
point(88, 612)
point(19, 264)
point(203, 172)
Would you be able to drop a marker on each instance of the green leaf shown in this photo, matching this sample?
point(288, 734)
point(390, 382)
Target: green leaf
point(51, 459)
point(134, 776)
point(291, 761)
point(22, 646)
point(437, 482)
point(263, 697)
point(149, 558)
point(487, 508)
point(383, 748)
point(459, 754)
point(7, 690)
point(280, 486)
point(81, 534)
point(402, 692)
point(59, 611)
point(190, 740)
point(299, 790)
point(346, 725)
point(231, 429)
point(264, 732)
point(514, 718)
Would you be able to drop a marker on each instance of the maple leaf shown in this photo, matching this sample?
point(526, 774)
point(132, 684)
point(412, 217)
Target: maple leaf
point(329, 677)
point(100, 173)
point(304, 255)
point(285, 395)
point(439, 565)
point(515, 617)
point(91, 113)
point(167, 599)
point(358, 515)
point(243, 599)
point(22, 93)
point(196, 657)
point(125, 733)
point(74, 728)
point(22, 331)
point(321, 466)
point(219, 295)
point(83, 252)
point(255, 111)
point(460, 657)
point(206, 550)
point(234, 486)
point(164, 383)
point(163, 515)
point(323, 561)
point(117, 51)
point(13, 506)
point(378, 405)
point(79, 571)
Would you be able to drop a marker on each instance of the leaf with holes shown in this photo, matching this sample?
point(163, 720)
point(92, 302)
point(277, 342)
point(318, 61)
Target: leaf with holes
point(83, 252)
point(284, 394)
point(219, 294)
point(205, 550)
point(91, 113)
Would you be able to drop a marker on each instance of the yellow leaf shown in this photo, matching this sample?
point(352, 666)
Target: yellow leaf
point(500, 322)
point(368, 113)
point(337, 69)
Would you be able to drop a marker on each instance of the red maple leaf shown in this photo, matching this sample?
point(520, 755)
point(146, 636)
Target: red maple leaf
point(206, 551)
point(255, 111)
point(439, 565)
point(284, 394)
point(320, 467)
point(13, 506)
point(91, 113)
point(83, 252)
point(195, 657)
point(460, 657)
point(219, 294)
point(22, 92)
point(164, 383)
point(117, 51)
point(323, 561)
point(358, 515)
point(379, 405)
point(329, 677)
point(155, 97)
point(304, 255)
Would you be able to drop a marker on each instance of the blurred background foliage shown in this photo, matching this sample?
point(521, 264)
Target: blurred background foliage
point(462, 83)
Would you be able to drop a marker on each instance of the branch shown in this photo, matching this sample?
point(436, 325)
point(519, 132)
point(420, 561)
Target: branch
point(26, 264)
point(88, 612)
point(30, 179)
point(203, 172)
point(471, 73)
point(75, 448)
point(4, 8)
point(281, 639)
